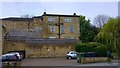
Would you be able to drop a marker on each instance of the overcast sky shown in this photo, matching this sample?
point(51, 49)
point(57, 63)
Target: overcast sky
point(88, 9)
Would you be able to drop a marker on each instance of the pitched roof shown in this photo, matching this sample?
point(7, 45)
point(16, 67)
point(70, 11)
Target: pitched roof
point(51, 41)
point(61, 15)
point(28, 37)
point(17, 19)
point(20, 34)
point(38, 17)
point(31, 41)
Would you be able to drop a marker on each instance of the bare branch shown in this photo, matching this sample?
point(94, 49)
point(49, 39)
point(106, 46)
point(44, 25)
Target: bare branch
point(100, 20)
point(26, 16)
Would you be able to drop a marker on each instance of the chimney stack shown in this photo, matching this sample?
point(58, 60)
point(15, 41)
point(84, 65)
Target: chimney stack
point(74, 14)
point(44, 13)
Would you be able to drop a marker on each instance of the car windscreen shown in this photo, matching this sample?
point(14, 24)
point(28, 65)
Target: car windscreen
point(68, 53)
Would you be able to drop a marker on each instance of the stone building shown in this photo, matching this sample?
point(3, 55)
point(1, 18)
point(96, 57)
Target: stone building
point(34, 36)
point(59, 26)
point(48, 25)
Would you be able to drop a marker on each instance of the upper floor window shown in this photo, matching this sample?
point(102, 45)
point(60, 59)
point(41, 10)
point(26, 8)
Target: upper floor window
point(62, 29)
point(67, 20)
point(52, 28)
point(71, 28)
point(37, 29)
point(51, 19)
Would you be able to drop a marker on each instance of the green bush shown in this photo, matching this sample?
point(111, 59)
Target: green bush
point(116, 55)
point(85, 47)
point(100, 49)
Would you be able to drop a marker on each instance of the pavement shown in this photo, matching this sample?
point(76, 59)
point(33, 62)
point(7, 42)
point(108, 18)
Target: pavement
point(70, 67)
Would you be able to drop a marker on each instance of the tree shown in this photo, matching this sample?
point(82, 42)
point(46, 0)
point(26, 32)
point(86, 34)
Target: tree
point(100, 20)
point(87, 31)
point(26, 16)
point(27, 19)
point(110, 35)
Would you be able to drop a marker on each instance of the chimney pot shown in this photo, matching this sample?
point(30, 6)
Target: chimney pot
point(44, 12)
point(74, 14)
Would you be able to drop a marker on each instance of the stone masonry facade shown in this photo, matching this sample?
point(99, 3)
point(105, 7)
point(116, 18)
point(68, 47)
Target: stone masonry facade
point(49, 35)
point(47, 25)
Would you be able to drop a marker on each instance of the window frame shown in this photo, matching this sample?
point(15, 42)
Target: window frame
point(72, 29)
point(51, 19)
point(52, 28)
point(62, 29)
point(67, 20)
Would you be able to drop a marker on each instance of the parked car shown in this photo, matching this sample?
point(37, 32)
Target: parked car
point(19, 56)
point(71, 55)
point(0, 58)
point(9, 57)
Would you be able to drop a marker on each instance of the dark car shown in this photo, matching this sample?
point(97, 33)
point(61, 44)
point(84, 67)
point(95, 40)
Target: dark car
point(19, 55)
point(9, 57)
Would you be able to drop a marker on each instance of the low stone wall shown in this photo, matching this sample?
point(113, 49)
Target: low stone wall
point(12, 64)
point(94, 59)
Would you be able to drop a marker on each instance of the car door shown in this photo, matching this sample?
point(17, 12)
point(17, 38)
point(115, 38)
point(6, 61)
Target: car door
point(75, 55)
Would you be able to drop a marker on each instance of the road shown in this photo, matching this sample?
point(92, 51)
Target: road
point(49, 62)
point(70, 67)
point(0, 64)
point(64, 63)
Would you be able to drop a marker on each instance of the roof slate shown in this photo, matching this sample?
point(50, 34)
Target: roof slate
point(18, 19)
point(28, 37)
point(61, 15)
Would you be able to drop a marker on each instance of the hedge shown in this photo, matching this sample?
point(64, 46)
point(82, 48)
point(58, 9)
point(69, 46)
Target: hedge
point(100, 49)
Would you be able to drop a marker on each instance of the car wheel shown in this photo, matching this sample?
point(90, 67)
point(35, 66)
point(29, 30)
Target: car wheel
point(78, 61)
point(69, 57)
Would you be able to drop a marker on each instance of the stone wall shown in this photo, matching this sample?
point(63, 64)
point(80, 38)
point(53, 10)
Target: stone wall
point(13, 46)
point(94, 59)
point(39, 50)
point(36, 51)
point(18, 25)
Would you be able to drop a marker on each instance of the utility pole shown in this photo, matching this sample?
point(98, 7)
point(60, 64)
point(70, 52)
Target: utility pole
point(59, 27)
point(59, 24)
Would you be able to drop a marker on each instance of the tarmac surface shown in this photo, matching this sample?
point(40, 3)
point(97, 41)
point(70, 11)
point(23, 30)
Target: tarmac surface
point(65, 63)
